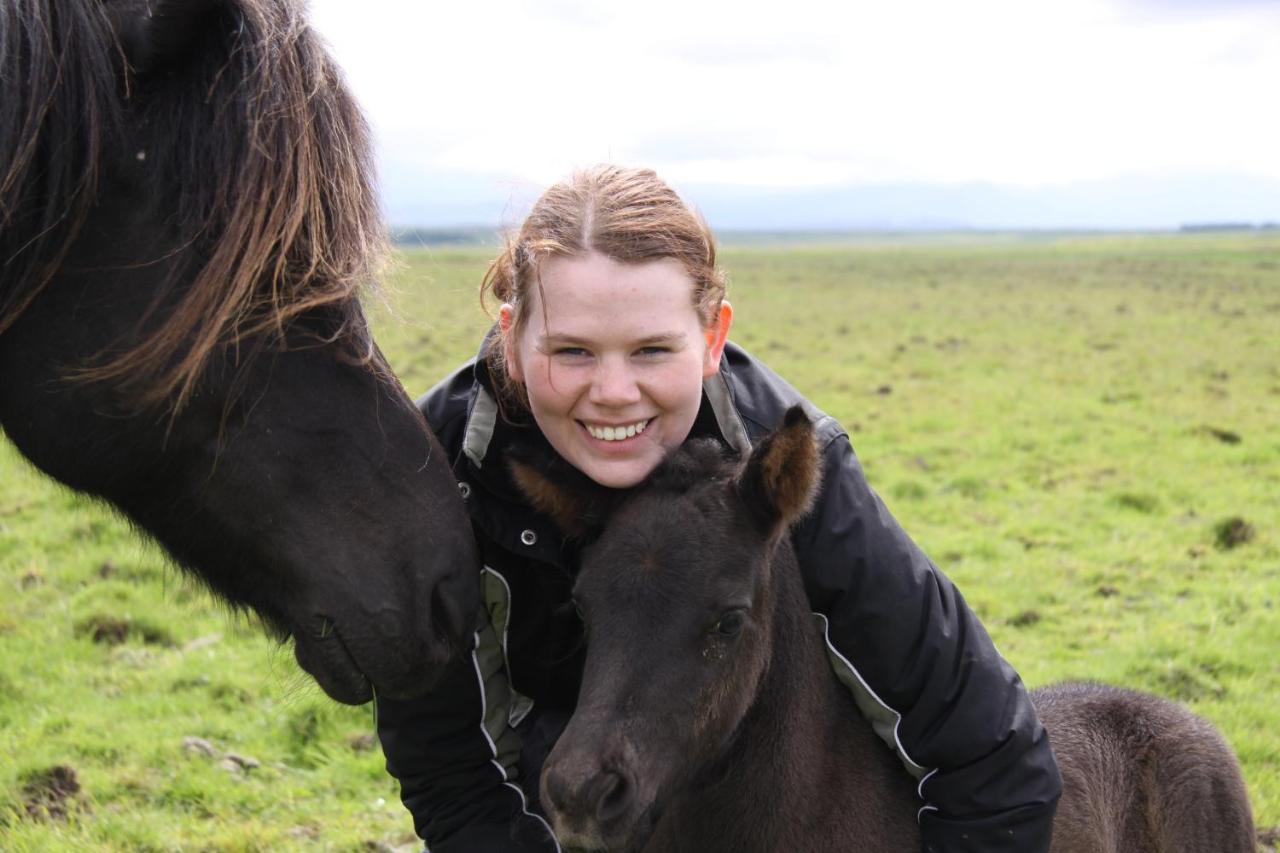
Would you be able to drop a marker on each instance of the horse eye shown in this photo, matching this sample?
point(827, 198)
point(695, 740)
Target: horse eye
point(729, 624)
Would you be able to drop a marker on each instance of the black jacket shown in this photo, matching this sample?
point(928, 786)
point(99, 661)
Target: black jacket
point(921, 667)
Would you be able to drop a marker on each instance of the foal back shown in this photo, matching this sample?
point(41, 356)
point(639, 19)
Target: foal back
point(1141, 774)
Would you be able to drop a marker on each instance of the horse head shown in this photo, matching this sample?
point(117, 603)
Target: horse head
point(188, 215)
point(677, 590)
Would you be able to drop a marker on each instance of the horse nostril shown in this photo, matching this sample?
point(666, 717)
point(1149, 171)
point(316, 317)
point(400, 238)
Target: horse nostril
point(454, 603)
point(447, 624)
point(613, 794)
point(441, 615)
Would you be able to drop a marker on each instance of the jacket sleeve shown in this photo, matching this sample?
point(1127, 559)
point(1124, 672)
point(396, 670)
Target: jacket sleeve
point(926, 673)
point(455, 754)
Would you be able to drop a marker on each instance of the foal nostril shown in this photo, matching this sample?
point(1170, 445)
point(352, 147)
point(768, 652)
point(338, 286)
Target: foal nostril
point(556, 794)
point(600, 798)
point(612, 795)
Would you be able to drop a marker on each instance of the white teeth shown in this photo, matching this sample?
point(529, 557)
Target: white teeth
point(618, 433)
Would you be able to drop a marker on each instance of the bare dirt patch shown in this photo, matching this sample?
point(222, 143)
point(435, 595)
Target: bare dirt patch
point(1226, 436)
point(1025, 619)
point(114, 630)
point(1232, 532)
point(363, 742)
point(51, 793)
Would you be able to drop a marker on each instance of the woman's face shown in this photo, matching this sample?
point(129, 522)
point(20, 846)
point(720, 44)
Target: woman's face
point(613, 356)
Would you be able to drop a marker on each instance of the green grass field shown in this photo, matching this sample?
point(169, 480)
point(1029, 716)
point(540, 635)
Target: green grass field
point(1084, 432)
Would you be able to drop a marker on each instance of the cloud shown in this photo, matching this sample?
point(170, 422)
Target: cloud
point(1197, 7)
point(808, 94)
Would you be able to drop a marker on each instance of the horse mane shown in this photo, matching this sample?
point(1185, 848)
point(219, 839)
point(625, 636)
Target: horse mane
point(56, 58)
point(277, 212)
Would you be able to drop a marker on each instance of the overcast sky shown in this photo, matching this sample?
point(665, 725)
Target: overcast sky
point(476, 105)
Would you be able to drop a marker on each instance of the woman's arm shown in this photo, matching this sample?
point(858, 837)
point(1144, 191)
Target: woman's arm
point(455, 755)
point(927, 672)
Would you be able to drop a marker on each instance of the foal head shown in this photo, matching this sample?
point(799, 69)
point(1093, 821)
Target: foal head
point(678, 594)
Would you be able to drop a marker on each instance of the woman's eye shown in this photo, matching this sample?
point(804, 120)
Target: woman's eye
point(571, 352)
point(652, 351)
point(729, 624)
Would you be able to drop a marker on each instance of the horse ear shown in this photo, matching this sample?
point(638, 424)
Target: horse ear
point(780, 479)
point(158, 33)
point(576, 503)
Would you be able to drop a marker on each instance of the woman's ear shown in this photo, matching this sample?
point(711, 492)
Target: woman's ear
point(717, 336)
point(507, 326)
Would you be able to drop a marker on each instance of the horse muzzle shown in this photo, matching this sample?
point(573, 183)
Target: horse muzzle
point(393, 655)
point(596, 804)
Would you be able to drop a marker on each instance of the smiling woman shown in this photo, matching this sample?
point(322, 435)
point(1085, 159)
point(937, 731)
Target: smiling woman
point(610, 353)
point(614, 381)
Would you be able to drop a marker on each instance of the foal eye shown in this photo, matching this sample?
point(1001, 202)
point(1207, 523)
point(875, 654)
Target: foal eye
point(729, 624)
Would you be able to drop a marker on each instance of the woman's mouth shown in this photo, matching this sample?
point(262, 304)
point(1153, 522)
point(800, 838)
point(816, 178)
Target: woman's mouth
point(619, 432)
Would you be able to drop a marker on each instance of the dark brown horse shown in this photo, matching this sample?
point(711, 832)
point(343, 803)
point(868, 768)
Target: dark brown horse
point(709, 718)
point(186, 216)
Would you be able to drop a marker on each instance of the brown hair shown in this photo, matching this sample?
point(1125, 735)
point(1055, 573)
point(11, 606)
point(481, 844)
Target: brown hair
point(626, 214)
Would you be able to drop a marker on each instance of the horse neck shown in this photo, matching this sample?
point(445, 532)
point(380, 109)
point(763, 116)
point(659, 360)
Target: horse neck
point(794, 701)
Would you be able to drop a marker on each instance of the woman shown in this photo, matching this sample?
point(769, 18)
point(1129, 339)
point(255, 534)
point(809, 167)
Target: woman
point(610, 350)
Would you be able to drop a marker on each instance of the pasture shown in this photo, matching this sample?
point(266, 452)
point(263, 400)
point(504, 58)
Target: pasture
point(1080, 430)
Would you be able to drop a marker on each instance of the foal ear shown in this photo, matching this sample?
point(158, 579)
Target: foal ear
point(157, 33)
point(780, 479)
point(576, 503)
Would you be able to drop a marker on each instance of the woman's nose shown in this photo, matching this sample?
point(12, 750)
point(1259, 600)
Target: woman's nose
point(614, 384)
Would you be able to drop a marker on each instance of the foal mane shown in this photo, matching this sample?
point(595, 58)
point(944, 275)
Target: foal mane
point(264, 150)
point(696, 462)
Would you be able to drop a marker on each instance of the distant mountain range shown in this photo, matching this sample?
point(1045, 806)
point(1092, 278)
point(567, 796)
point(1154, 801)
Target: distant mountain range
point(1135, 203)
